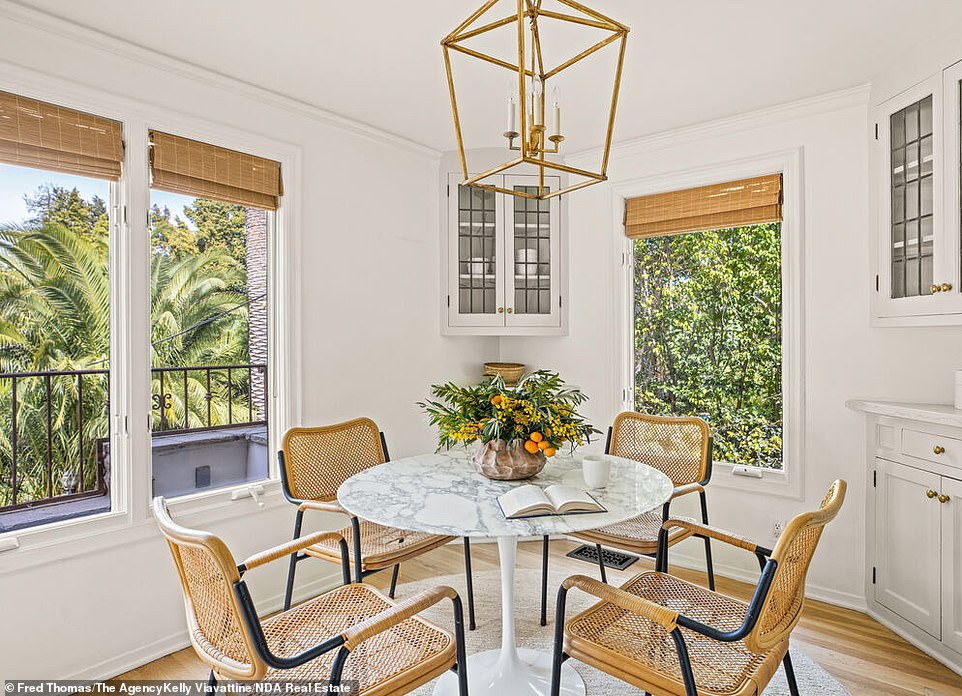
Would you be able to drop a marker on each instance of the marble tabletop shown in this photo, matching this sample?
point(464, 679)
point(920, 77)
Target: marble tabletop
point(443, 494)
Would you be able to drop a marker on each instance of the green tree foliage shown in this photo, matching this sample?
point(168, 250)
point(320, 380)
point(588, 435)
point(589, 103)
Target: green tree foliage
point(219, 225)
point(55, 316)
point(707, 312)
point(67, 207)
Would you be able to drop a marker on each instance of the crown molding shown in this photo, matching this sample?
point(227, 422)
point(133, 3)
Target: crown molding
point(15, 11)
point(823, 103)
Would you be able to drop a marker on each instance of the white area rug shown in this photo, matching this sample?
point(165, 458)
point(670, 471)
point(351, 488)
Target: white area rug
point(812, 679)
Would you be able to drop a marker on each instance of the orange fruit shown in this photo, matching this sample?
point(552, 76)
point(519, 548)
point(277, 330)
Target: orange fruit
point(537, 437)
point(550, 452)
point(543, 445)
point(531, 446)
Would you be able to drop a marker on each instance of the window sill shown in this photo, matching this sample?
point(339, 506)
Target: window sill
point(773, 482)
point(59, 541)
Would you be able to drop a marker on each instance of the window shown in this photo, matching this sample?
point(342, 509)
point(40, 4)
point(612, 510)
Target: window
point(56, 172)
point(209, 328)
point(707, 310)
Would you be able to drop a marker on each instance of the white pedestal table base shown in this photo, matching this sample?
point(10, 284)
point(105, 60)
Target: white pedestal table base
point(510, 671)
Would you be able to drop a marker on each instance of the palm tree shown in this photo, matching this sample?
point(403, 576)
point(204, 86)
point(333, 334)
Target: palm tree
point(55, 317)
point(198, 318)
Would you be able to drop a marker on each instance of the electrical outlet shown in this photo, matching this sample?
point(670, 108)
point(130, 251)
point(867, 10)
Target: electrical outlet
point(778, 526)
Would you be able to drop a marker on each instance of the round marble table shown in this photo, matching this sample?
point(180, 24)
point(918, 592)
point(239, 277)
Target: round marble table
point(443, 494)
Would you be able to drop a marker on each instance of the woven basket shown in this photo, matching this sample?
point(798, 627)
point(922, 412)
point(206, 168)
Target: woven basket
point(509, 371)
point(507, 461)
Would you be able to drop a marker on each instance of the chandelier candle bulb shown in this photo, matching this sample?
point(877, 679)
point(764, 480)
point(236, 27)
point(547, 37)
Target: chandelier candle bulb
point(557, 116)
point(512, 115)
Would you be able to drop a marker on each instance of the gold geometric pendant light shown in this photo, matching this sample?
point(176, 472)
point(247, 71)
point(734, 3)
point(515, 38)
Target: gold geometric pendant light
point(527, 133)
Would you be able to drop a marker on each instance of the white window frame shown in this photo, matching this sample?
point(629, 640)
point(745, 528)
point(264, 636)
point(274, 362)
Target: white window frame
point(787, 482)
point(130, 518)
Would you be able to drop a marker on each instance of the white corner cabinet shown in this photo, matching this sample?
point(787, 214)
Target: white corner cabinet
point(502, 265)
point(914, 519)
point(917, 155)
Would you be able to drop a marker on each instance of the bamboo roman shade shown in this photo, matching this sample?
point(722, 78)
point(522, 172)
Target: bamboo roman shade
point(46, 136)
point(180, 165)
point(719, 206)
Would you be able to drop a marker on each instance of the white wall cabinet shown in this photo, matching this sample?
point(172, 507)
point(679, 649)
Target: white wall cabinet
point(914, 522)
point(918, 154)
point(503, 270)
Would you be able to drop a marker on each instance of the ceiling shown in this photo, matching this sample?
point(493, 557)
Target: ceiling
point(379, 61)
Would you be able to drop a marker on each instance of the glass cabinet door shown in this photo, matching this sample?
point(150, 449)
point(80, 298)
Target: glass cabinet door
point(949, 273)
point(532, 226)
point(476, 297)
point(911, 237)
point(911, 180)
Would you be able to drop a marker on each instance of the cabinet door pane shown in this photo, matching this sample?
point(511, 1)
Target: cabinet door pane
point(911, 181)
point(477, 288)
point(532, 253)
point(952, 564)
point(907, 539)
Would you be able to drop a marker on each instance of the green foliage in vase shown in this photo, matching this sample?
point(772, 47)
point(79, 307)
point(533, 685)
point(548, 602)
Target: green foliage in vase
point(708, 336)
point(540, 409)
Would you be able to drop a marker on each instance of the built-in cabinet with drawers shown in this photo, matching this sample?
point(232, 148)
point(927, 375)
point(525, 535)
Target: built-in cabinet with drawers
point(914, 511)
point(503, 265)
point(918, 155)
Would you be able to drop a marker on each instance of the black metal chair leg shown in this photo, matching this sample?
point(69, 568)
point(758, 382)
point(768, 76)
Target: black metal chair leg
point(544, 581)
point(356, 534)
point(790, 675)
point(397, 567)
point(470, 581)
point(211, 682)
point(289, 594)
point(601, 564)
point(461, 653)
point(708, 561)
point(558, 656)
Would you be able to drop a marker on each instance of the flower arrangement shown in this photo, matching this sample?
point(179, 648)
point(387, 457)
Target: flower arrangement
point(540, 412)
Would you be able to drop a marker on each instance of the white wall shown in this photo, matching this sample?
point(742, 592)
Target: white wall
point(844, 356)
point(370, 344)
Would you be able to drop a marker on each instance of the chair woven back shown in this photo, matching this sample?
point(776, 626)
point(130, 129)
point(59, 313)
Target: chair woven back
point(318, 460)
point(793, 552)
point(678, 447)
point(207, 573)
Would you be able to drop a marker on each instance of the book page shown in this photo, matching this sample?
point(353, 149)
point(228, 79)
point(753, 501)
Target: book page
point(570, 499)
point(524, 500)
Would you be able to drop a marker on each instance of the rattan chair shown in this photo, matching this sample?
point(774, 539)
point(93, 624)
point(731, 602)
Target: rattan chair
point(668, 636)
point(352, 633)
point(678, 447)
point(314, 462)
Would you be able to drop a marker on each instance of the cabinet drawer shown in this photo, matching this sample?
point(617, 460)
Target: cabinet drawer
point(934, 448)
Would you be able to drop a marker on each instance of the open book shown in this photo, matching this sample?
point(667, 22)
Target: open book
point(533, 501)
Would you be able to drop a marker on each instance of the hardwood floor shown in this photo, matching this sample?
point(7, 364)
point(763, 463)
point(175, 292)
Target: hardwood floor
point(862, 654)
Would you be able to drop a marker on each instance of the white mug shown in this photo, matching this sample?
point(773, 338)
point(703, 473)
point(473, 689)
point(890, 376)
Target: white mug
point(478, 265)
point(596, 469)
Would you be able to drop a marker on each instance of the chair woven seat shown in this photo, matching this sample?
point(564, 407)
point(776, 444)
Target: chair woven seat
point(627, 644)
point(381, 547)
point(384, 658)
point(638, 534)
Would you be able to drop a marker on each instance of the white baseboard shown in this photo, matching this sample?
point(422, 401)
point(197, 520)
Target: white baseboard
point(846, 600)
point(930, 646)
point(126, 661)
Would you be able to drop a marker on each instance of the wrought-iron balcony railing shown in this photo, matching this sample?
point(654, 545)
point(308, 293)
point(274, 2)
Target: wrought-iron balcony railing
point(54, 426)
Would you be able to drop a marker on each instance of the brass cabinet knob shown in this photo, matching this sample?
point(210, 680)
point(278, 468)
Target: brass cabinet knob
point(944, 498)
point(510, 310)
point(500, 310)
point(935, 289)
point(946, 287)
point(930, 493)
point(938, 449)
